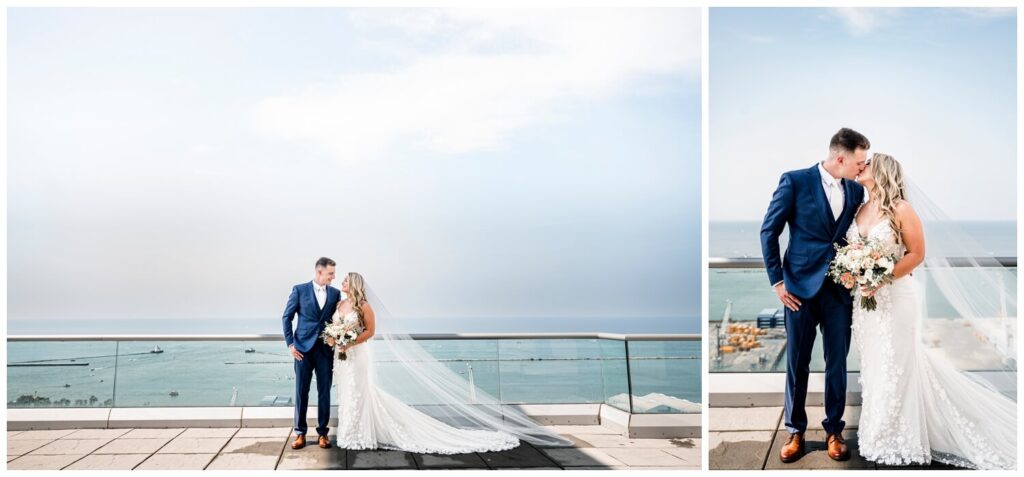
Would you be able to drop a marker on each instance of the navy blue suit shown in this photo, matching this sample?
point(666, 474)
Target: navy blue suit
point(800, 202)
point(316, 355)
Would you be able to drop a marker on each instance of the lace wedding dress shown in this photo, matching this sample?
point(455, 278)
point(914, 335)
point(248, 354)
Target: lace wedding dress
point(370, 418)
point(917, 406)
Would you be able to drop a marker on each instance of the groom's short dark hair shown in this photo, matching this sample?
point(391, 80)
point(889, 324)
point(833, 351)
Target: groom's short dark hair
point(324, 262)
point(849, 140)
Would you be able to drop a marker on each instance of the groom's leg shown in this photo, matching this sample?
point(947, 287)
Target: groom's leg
point(324, 363)
point(303, 376)
point(800, 335)
point(835, 333)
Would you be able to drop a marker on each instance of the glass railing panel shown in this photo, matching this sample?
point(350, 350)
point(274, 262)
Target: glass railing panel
point(666, 377)
point(475, 361)
point(551, 371)
point(744, 294)
point(614, 379)
point(60, 374)
point(201, 373)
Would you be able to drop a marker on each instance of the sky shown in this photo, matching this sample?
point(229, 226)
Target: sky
point(933, 87)
point(194, 163)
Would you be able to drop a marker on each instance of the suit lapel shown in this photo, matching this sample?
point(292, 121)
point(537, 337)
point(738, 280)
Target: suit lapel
point(819, 193)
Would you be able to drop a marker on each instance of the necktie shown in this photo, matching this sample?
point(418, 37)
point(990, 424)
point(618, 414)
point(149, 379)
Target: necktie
point(834, 199)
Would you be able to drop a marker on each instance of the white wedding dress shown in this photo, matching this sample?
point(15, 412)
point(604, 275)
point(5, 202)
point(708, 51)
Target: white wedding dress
point(370, 418)
point(917, 406)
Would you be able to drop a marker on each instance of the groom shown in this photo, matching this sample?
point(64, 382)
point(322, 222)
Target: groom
point(818, 204)
point(314, 302)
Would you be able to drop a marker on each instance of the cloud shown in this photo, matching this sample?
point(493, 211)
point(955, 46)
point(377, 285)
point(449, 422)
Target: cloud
point(475, 77)
point(861, 21)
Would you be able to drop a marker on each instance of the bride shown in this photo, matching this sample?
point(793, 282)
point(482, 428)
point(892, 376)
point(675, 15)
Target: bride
point(371, 418)
point(917, 406)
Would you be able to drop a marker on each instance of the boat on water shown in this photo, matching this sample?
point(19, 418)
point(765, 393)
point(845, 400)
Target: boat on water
point(250, 350)
point(174, 393)
point(156, 349)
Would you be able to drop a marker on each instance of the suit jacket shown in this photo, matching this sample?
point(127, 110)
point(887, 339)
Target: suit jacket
point(800, 202)
point(311, 318)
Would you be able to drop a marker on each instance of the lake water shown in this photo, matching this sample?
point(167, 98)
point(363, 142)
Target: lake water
point(223, 373)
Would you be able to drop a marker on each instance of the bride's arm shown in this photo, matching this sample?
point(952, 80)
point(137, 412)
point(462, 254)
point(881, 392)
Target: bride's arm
point(913, 238)
point(368, 322)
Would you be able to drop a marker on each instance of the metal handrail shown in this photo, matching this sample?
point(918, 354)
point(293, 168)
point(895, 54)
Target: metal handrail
point(758, 262)
point(415, 336)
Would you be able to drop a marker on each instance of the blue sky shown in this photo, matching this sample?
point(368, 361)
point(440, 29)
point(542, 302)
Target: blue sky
point(194, 163)
point(934, 87)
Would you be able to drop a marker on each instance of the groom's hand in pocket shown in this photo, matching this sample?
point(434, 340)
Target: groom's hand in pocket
point(295, 353)
point(788, 299)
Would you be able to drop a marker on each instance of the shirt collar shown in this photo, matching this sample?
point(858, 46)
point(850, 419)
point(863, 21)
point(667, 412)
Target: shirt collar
point(317, 286)
point(826, 177)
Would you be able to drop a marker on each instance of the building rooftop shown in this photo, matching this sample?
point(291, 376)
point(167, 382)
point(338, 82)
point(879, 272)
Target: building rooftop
point(594, 447)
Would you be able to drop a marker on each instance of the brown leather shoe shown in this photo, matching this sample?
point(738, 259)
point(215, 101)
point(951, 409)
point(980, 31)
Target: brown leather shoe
point(837, 448)
point(300, 442)
point(324, 442)
point(793, 450)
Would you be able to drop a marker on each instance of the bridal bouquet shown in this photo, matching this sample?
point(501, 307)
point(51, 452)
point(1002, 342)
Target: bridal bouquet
point(342, 335)
point(865, 266)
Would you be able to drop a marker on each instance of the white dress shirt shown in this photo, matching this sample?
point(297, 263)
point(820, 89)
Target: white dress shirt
point(321, 294)
point(833, 191)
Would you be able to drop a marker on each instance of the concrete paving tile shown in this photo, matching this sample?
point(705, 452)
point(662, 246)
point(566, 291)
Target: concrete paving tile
point(454, 461)
point(816, 456)
point(153, 433)
point(24, 446)
point(241, 461)
point(524, 456)
point(588, 457)
point(574, 442)
point(739, 450)
point(645, 457)
point(42, 462)
point(606, 441)
point(108, 462)
point(132, 446)
point(743, 418)
point(13, 433)
point(209, 432)
point(11, 457)
point(176, 462)
point(255, 445)
point(281, 432)
point(41, 434)
point(313, 458)
point(194, 445)
point(97, 434)
point(690, 455)
point(70, 447)
point(379, 459)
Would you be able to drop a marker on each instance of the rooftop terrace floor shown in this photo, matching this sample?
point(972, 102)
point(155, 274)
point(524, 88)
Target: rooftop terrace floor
point(751, 437)
point(595, 447)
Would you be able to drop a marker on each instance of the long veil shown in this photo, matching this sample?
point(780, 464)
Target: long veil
point(968, 325)
point(970, 298)
point(448, 393)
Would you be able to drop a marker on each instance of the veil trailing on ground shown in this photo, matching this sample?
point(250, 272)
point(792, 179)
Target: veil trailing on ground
point(446, 390)
point(969, 299)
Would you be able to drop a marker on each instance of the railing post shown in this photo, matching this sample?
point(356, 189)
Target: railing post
point(629, 377)
point(113, 396)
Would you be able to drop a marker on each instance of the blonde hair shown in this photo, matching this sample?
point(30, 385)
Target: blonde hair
point(356, 293)
point(888, 190)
